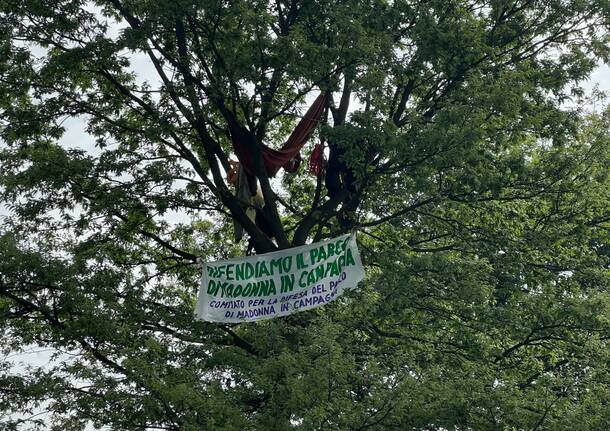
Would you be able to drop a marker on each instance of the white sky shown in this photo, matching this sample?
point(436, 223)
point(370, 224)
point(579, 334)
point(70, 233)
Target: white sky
point(76, 136)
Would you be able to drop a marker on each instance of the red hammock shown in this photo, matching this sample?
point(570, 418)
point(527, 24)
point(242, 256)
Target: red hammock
point(276, 159)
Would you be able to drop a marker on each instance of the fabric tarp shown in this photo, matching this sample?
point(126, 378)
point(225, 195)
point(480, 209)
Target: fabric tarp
point(274, 160)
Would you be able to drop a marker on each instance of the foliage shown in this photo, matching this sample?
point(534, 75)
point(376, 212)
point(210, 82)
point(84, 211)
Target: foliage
point(480, 192)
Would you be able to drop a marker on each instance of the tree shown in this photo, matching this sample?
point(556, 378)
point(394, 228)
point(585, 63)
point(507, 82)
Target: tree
point(459, 149)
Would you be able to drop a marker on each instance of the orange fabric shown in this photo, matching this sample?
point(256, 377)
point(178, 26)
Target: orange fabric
point(232, 174)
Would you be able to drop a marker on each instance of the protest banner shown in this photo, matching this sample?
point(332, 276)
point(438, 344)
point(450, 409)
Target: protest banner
point(279, 283)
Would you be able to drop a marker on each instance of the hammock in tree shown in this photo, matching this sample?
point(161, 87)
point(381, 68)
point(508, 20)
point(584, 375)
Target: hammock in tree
point(285, 156)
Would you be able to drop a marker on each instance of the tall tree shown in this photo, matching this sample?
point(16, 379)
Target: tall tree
point(457, 145)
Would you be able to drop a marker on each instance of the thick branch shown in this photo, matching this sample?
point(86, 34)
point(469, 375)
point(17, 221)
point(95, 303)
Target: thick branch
point(316, 215)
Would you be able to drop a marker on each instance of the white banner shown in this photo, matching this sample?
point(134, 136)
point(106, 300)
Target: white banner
point(279, 283)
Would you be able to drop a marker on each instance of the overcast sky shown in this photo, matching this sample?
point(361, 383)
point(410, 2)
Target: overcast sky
point(76, 136)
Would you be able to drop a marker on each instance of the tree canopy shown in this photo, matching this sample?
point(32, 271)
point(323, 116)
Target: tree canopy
point(459, 145)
